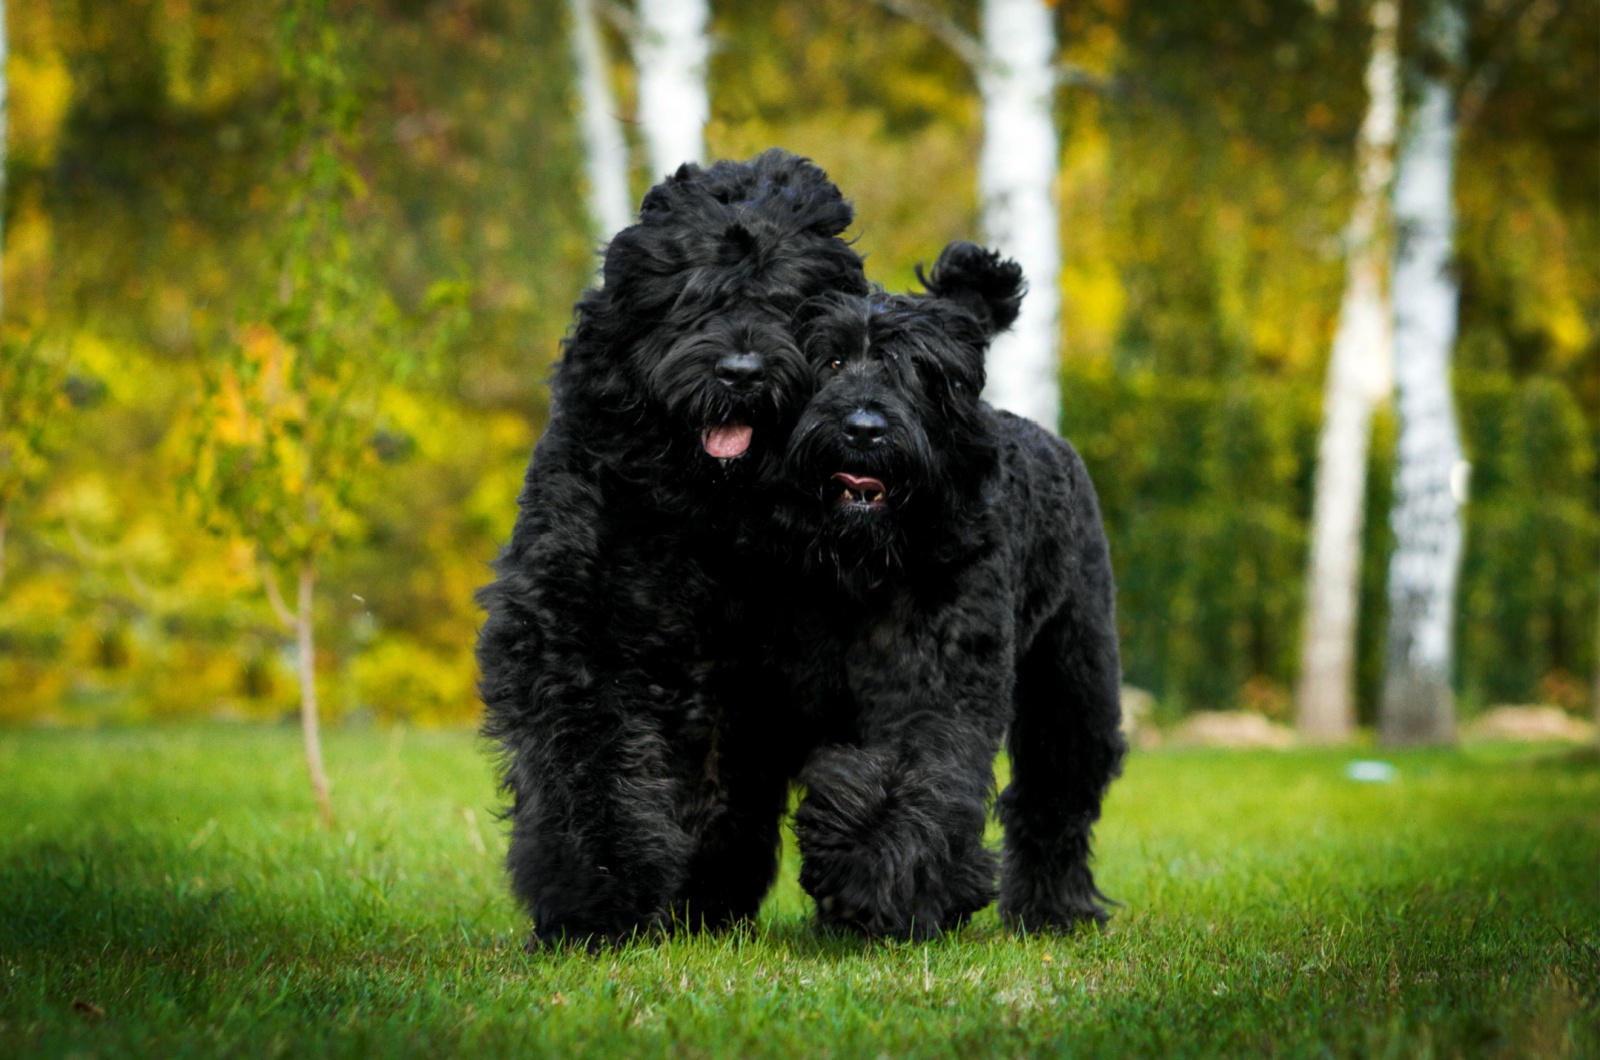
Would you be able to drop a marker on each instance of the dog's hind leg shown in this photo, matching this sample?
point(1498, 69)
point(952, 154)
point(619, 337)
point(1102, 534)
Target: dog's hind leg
point(1066, 747)
point(735, 858)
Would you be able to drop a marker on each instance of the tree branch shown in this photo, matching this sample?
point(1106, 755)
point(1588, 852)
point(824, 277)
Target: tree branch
point(269, 579)
point(1077, 76)
point(967, 47)
point(97, 555)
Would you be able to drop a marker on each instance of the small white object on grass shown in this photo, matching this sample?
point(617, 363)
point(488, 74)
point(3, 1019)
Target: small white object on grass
point(1371, 772)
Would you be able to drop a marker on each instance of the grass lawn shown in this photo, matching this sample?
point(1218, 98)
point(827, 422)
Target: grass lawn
point(165, 892)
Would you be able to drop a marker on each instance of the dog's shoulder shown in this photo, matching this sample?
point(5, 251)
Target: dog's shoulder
point(1039, 475)
point(1030, 449)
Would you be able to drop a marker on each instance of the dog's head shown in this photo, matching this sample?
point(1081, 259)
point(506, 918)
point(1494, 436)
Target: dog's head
point(701, 290)
point(891, 452)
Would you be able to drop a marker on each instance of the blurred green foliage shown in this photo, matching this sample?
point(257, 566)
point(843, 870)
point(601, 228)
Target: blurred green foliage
point(1205, 179)
point(283, 436)
point(1205, 490)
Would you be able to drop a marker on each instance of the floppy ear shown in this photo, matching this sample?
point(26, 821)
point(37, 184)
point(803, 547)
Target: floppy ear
point(980, 281)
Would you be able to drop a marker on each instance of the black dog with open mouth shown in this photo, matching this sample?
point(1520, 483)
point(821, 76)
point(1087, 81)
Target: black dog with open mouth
point(620, 673)
point(957, 586)
point(895, 448)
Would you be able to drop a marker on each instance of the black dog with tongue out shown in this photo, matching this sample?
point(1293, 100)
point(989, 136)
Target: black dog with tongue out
point(621, 669)
point(955, 586)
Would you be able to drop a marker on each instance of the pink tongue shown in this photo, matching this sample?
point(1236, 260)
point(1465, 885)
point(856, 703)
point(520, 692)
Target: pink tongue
point(727, 440)
point(859, 484)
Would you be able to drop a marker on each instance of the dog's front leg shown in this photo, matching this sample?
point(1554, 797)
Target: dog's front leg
point(891, 828)
point(891, 840)
point(596, 853)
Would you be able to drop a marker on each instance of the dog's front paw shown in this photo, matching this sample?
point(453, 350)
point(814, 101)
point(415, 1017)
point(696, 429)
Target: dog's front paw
point(869, 899)
point(594, 935)
point(1064, 919)
point(1063, 904)
point(859, 891)
point(593, 914)
point(887, 858)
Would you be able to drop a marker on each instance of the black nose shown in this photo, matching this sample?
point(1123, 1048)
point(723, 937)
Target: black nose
point(864, 429)
point(740, 371)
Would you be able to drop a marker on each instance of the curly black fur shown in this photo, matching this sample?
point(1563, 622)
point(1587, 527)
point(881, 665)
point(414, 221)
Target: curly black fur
point(957, 584)
point(644, 748)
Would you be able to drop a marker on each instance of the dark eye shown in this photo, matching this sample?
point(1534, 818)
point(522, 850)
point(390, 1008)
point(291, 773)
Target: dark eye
point(835, 363)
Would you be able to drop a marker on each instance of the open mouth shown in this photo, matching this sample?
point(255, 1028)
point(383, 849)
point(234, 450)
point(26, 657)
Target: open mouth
point(727, 441)
point(860, 491)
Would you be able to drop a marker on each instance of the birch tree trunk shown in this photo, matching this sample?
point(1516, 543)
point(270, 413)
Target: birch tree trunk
point(310, 724)
point(1359, 375)
point(1430, 476)
point(605, 152)
point(670, 55)
point(1016, 190)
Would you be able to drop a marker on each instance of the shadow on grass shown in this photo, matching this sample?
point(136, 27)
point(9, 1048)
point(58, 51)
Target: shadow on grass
point(104, 898)
point(99, 892)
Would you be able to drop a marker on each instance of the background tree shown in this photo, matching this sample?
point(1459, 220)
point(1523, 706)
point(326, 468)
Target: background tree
point(33, 391)
point(670, 51)
point(669, 44)
point(32, 401)
point(1016, 186)
point(1359, 374)
point(1205, 190)
point(286, 435)
point(605, 152)
point(1430, 473)
point(1013, 62)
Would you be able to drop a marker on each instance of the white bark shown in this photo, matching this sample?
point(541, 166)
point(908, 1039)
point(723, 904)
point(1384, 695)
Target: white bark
point(1016, 187)
point(604, 150)
point(1430, 475)
point(1359, 375)
point(670, 55)
point(310, 727)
